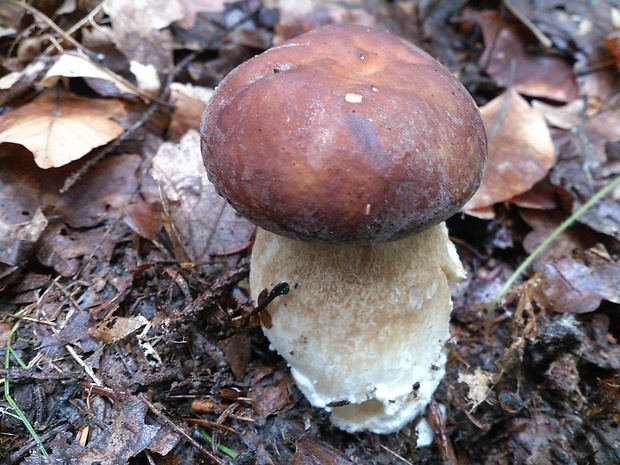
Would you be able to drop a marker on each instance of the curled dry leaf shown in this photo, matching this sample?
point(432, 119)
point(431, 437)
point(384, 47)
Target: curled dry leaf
point(578, 284)
point(479, 383)
point(204, 223)
point(116, 328)
point(72, 65)
point(543, 224)
point(189, 105)
point(109, 186)
point(508, 60)
point(59, 127)
point(139, 30)
point(311, 451)
point(520, 150)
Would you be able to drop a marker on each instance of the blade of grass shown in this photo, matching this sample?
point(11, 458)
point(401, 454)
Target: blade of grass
point(223, 449)
point(7, 391)
point(528, 261)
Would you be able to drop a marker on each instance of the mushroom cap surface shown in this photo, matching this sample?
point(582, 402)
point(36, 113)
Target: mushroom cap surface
point(344, 134)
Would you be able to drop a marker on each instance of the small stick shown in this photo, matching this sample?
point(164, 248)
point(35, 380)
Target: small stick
point(157, 411)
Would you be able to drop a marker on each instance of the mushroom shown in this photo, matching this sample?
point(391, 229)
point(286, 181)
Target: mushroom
point(349, 148)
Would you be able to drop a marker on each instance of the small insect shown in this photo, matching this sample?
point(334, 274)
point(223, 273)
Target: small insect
point(265, 298)
point(338, 403)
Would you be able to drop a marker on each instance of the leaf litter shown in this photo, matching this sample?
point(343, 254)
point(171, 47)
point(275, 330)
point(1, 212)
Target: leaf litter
point(127, 274)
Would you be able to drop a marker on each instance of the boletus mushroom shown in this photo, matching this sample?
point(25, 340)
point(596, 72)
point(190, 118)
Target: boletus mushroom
point(349, 147)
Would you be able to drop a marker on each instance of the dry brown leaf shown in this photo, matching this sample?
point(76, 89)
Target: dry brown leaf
point(579, 284)
point(543, 224)
point(204, 223)
point(192, 7)
point(480, 383)
point(314, 452)
point(520, 150)
point(238, 353)
point(116, 328)
point(72, 65)
point(139, 30)
point(508, 60)
point(189, 103)
point(109, 186)
point(59, 128)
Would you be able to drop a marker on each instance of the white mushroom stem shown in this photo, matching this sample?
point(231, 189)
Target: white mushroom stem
point(362, 325)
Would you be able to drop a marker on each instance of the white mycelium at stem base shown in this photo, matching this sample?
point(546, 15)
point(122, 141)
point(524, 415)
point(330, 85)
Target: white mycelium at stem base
point(362, 324)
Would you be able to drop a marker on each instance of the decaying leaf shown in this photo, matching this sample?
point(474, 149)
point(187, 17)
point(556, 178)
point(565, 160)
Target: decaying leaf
point(108, 186)
point(189, 102)
point(578, 284)
point(116, 328)
point(543, 224)
point(59, 127)
point(520, 150)
point(508, 60)
point(204, 223)
point(238, 353)
point(139, 30)
point(479, 383)
point(313, 452)
point(73, 65)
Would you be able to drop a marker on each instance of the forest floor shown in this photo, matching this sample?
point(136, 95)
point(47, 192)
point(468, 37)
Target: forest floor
point(126, 329)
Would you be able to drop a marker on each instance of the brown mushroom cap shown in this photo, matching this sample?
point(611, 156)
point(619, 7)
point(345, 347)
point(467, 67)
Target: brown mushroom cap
point(344, 134)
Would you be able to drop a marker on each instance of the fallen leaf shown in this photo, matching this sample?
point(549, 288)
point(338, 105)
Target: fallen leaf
point(271, 399)
point(543, 224)
point(73, 65)
point(520, 150)
point(507, 59)
point(578, 284)
point(191, 8)
point(109, 186)
point(139, 30)
point(314, 452)
point(204, 223)
point(127, 433)
point(59, 127)
point(17, 243)
point(237, 352)
point(189, 103)
point(479, 384)
point(116, 328)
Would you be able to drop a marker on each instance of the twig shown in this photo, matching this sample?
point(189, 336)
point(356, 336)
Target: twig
point(435, 418)
point(89, 371)
point(398, 456)
point(66, 37)
point(163, 417)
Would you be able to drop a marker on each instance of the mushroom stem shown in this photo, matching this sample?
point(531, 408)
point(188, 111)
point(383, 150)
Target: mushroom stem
point(363, 326)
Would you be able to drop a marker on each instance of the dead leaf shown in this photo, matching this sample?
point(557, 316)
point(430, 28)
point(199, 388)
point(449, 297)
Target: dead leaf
point(145, 218)
point(238, 353)
point(139, 30)
point(479, 384)
point(543, 224)
point(72, 65)
point(189, 103)
point(191, 8)
point(271, 399)
point(127, 434)
point(578, 284)
point(17, 242)
point(59, 127)
point(314, 452)
point(520, 150)
point(507, 59)
point(116, 328)
point(109, 186)
point(204, 223)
